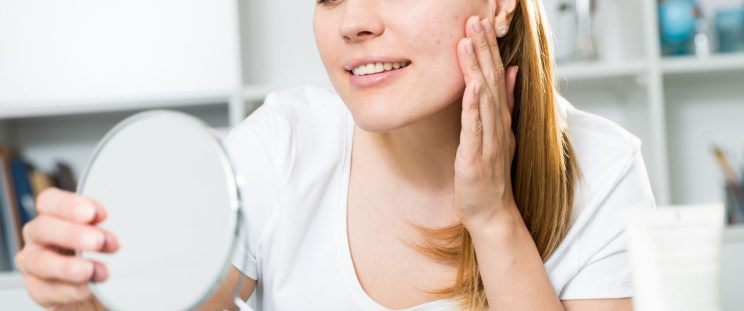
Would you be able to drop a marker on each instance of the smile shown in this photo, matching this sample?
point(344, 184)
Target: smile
point(376, 76)
point(374, 68)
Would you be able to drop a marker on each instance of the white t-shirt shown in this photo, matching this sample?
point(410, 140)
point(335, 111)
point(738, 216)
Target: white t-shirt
point(293, 154)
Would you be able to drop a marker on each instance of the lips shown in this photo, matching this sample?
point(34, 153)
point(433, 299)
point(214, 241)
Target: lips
point(376, 79)
point(373, 71)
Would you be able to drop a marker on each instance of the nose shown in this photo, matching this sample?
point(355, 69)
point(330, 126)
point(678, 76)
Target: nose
point(361, 21)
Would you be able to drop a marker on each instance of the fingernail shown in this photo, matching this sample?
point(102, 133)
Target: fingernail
point(92, 241)
point(475, 24)
point(83, 270)
point(112, 241)
point(100, 273)
point(469, 46)
point(85, 211)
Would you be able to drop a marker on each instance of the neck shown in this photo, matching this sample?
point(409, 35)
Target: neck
point(421, 154)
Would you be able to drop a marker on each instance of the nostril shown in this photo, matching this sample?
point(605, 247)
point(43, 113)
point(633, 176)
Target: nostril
point(359, 36)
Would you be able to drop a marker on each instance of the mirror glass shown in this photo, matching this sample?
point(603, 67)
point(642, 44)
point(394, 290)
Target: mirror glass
point(173, 202)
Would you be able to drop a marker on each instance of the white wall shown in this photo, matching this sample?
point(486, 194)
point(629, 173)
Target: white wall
point(699, 116)
point(62, 52)
point(279, 45)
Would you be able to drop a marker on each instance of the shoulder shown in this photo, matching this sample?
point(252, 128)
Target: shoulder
point(281, 152)
point(595, 137)
point(295, 125)
point(591, 262)
point(605, 153)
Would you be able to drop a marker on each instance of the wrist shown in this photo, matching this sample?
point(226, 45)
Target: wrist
point(501, 224)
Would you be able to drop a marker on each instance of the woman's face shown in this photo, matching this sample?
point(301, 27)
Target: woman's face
point(419, 36)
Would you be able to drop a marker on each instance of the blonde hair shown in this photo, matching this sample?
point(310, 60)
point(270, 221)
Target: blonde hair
point(543, 169)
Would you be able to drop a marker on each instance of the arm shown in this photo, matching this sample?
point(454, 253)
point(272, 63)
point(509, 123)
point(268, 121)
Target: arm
point(509, 263)
point(223, 297)
point(619, 304)
point(513, 273)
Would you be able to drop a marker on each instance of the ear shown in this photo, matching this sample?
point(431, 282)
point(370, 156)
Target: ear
point(503, 12)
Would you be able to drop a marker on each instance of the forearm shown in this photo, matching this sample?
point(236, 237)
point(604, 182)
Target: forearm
point(512, 271)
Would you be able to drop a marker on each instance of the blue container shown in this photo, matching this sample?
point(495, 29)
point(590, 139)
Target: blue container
point(677, 21)
point(730, 29)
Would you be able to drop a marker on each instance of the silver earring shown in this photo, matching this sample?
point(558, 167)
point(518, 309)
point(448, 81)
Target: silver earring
point(502, 31)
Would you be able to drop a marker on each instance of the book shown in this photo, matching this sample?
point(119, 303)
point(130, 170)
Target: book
point(63, 177)
point(5, 252)
point(20, 170)
point(11, 220)
point(39, 181)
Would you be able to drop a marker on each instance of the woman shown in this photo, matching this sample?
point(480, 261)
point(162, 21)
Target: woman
point(443, 173)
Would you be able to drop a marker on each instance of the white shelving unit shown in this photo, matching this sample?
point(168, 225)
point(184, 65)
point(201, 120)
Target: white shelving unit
point(591, 70)
point(692, 65)
point(678, 106)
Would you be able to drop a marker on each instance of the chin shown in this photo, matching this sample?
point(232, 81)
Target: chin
point(379, 118)
point(399, 104)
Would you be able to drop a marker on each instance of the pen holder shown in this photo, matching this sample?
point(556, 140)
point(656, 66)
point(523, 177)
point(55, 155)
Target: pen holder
point(734, 206)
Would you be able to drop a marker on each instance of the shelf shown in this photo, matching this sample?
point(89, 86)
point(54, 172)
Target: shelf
point(10, 280)
point(601, 70)
point(58, 108)
point(250, 93)
point(713, 64)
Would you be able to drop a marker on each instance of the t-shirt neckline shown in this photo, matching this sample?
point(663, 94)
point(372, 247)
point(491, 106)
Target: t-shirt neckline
point(344, 253)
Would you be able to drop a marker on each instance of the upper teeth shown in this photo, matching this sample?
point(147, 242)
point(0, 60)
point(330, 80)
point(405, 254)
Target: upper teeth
point(373, 68)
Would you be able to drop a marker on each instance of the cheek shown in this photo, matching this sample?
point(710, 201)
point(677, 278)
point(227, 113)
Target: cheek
point(435, 46)
point(435, 37)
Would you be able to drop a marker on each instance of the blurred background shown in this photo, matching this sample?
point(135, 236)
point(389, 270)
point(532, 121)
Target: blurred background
point(669, 71)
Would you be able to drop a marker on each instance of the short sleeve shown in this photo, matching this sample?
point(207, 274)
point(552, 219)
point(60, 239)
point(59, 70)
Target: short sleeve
point(605, 269)
point(245, 145)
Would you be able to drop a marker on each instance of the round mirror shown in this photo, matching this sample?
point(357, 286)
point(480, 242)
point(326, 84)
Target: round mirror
point(173, 201)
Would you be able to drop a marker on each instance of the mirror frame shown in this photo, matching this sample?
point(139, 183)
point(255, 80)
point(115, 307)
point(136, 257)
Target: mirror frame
point(234, 183)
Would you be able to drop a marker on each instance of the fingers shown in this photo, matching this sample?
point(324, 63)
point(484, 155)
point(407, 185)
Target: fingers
point(471, 135)
point(493, 42)
point(51, 231)
point(66, 223)
point(497, 69)
point(51, 293)
point(490, 65)
point(46, 264)
point(484, 66)
point(70, 206)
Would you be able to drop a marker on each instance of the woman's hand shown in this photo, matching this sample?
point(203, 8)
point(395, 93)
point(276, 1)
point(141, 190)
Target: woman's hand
point(483, 186)
point(54, 276)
